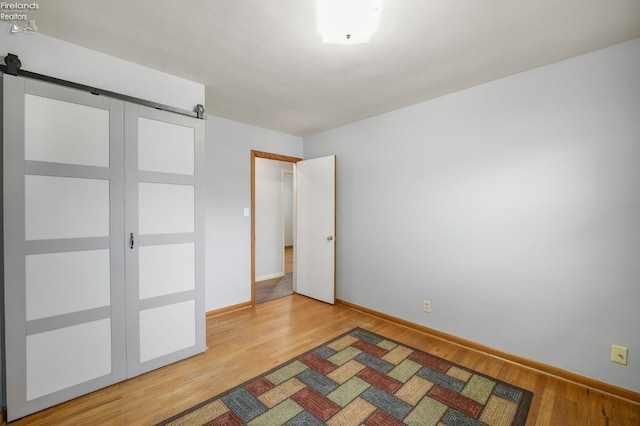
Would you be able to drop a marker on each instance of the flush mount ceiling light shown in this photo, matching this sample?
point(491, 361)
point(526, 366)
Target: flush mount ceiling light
point(347, 21)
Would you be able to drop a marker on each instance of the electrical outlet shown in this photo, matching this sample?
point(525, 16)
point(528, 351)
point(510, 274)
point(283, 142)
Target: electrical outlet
point(619, 354)
point(427, 306)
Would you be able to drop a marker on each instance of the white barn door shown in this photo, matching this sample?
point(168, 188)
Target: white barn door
point(164, 255)
point(103, 241)
point(315, 228)
point(63, 258)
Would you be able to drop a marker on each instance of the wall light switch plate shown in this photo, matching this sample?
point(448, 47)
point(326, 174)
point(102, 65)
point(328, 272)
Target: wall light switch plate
point(619, 354)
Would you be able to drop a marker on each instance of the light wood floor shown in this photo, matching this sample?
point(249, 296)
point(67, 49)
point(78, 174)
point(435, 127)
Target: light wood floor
point(246, 343)
point(288, 259)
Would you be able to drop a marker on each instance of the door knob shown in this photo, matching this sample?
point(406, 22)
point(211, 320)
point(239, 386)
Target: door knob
point(330, 238)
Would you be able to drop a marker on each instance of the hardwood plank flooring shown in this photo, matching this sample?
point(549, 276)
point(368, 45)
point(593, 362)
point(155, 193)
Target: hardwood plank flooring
point(288, 259)
point(245, 343)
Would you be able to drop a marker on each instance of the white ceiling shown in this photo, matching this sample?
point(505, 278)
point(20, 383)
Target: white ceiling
point(263, 61)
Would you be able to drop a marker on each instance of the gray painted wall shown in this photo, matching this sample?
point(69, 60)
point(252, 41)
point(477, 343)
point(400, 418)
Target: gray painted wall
point(513, 206)
point(228, 166)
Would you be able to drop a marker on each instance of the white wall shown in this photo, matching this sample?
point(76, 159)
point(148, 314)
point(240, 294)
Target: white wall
point(228, 165)
point(288, 210)
point(269, 218)
point(46, 55)
point(513, 206)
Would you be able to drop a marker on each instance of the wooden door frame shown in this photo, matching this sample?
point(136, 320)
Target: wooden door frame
point(268, 156)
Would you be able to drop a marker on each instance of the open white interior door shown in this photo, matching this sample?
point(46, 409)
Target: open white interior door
point(315, 226)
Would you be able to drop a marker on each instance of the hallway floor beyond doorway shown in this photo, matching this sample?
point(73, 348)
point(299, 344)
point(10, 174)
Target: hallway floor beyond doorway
point(277, 287)
point(274, 288)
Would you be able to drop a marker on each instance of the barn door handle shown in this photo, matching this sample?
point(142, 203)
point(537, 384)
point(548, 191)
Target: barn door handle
point(131, 241)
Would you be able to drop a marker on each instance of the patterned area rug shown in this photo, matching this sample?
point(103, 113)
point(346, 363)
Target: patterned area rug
point(362, 378)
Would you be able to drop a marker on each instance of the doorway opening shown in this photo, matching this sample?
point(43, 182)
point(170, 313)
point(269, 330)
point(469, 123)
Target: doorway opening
point(272, 200)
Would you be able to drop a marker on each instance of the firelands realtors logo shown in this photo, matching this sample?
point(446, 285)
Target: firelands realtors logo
point(14, 11)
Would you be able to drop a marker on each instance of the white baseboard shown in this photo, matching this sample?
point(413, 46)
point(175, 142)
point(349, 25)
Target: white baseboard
point(270, 276)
